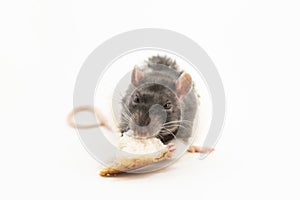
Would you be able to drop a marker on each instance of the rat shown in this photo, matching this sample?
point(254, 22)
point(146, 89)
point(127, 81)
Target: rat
point(162, 85)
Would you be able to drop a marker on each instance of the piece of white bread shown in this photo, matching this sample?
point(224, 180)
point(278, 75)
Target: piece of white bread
point(142, 148)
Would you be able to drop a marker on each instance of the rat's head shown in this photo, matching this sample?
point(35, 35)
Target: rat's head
point(154, 109)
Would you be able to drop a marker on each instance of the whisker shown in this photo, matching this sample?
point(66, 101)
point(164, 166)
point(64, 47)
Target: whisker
point(127, 117)
point(118, 96)
point(122, 123)
point(125, 106)
point(126, 113)
point(170, 132)
point(126, 109)
point(176, 123)
point(160, 136)
point(172, 122)
point(170, 126)
point(179, 121)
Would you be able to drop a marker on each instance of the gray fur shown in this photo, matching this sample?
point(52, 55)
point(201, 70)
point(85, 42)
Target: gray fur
point(162, 73)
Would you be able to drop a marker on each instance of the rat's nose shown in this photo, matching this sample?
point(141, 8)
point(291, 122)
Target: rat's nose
point(142, 119)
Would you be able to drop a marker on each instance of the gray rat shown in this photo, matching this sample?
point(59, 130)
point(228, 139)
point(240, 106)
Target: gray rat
point(159, 83)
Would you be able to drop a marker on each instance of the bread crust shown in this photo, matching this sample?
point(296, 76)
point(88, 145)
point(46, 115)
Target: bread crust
point(127, 164)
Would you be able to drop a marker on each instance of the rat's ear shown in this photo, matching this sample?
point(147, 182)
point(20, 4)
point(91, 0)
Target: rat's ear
point(183, 84)
point(136, 75)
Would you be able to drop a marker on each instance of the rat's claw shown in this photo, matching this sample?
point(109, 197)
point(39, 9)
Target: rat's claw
point(170, 144)
point(171, 148)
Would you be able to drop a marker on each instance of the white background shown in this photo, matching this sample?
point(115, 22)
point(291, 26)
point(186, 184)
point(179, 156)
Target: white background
point(254, 44)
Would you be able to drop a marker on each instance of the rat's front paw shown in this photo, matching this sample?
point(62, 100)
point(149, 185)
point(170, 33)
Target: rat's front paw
point(171, 148)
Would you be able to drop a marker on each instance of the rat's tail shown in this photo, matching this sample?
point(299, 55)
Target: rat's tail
point(101, 120)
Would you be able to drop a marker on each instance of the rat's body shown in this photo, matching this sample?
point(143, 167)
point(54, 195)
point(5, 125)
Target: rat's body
point(160, 82)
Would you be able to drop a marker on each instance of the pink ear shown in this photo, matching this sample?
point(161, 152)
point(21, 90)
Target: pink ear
point(136, 75)
point(183, 84)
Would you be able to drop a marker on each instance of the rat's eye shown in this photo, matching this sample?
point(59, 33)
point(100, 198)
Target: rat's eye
point(168, 106)
point(136, 99)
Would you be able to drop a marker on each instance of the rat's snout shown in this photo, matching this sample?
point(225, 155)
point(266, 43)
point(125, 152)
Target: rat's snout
point(141, 118)
point(139, 124)
point(142, 125)
point(147, 122)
